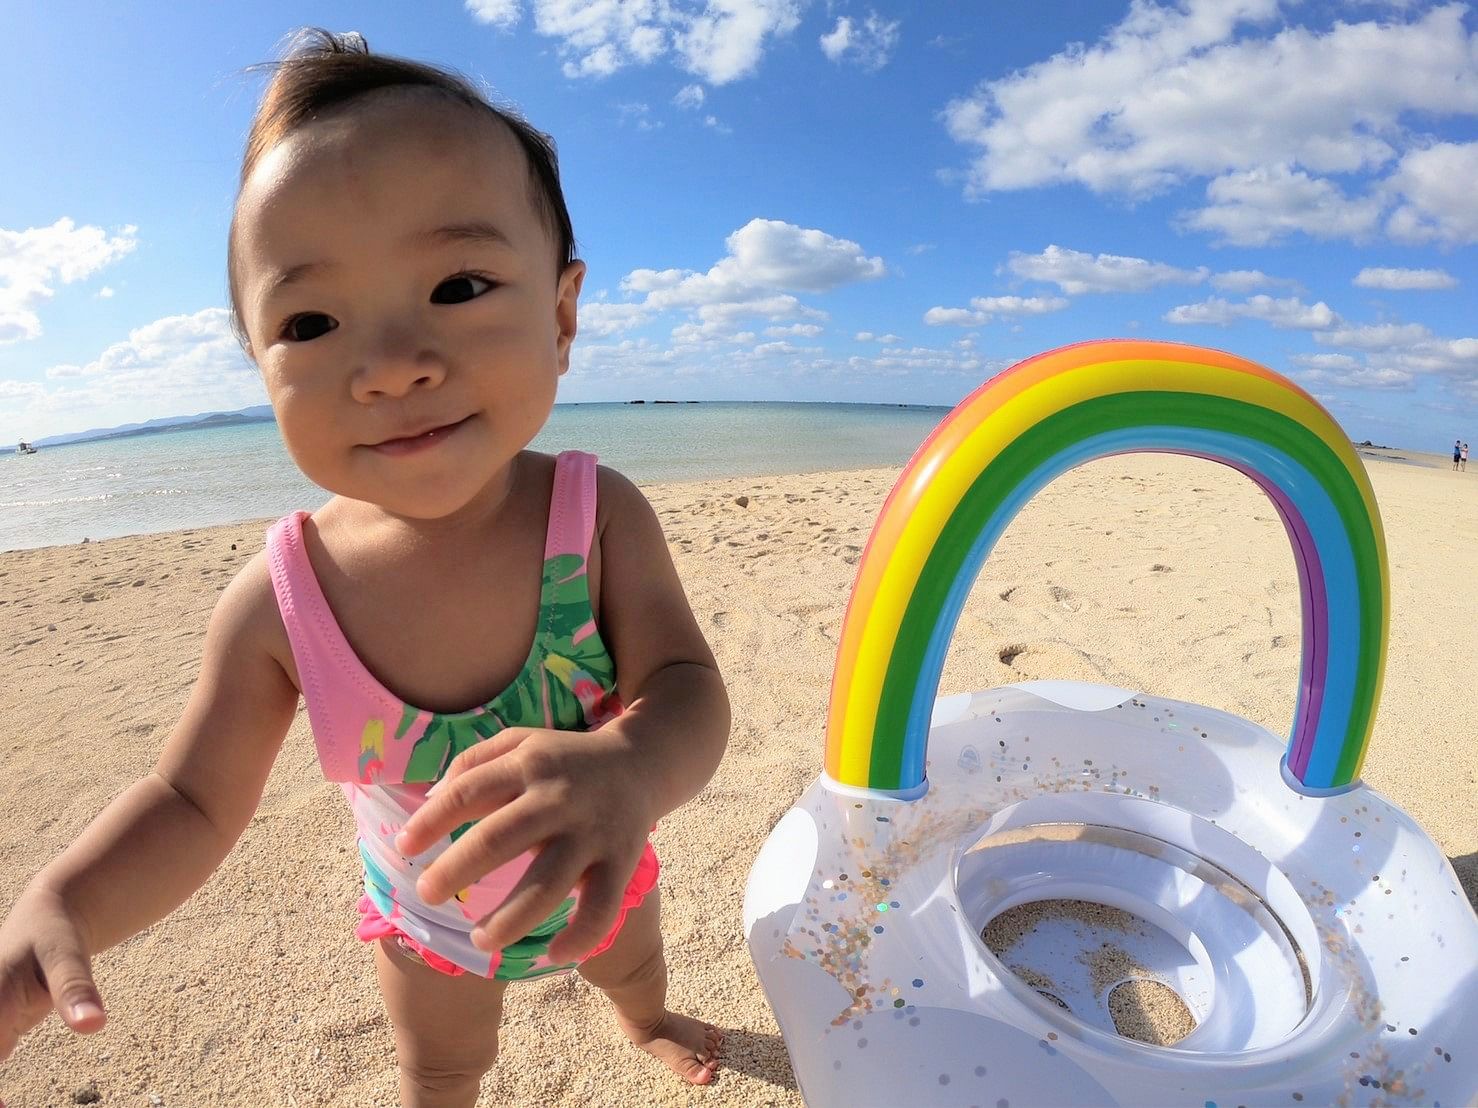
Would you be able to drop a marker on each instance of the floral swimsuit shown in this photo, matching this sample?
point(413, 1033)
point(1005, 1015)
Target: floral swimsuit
point(387, 753)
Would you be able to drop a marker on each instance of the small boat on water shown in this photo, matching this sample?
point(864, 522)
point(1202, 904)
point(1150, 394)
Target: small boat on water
point(25, 448)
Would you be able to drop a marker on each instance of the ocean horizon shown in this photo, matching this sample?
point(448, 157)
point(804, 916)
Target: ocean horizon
point(201, 477)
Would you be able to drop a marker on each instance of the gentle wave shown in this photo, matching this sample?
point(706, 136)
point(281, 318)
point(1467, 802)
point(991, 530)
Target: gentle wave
point(169, 482)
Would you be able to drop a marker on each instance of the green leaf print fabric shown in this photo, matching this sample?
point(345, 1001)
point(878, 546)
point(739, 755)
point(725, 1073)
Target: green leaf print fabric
point(565, 684)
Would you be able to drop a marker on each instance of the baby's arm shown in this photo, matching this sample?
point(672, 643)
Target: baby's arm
point(162, 837)
point(677, 710)
point(586, 800)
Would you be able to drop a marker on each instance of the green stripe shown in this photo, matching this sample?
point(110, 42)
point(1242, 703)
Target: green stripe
point(1036, 446)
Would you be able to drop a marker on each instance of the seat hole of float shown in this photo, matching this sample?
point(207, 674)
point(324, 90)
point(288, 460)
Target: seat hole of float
point(1134, 937)
point(1108, 967)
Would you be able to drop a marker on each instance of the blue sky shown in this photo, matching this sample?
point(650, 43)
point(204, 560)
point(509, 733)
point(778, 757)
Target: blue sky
point(793, 200)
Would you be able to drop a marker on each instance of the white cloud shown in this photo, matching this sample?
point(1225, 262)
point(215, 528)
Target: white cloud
point(1332, 362)
point(1370, 278)
point(34, 260)
point(689, 96)
point(638, 115)
point(1289, 313)
point(717, 40)
point(727, 40)
point(1263, 205)
point(503, 14)
point(105, 293)
point(919, 362)
point(1347, 372)
point(868, 43)
point(1437, 187)
point(778, 306)
point(1409, 348)
point(959, 317)
point(1245, 280)
point(1075, 272)
point(766, 263)
point(177, 365)
point(1225, 90)
point(1018, 305)
point(764, 255)
point(1379, 336)
point(985, 308)
point(1171, 92)
point(598, 320)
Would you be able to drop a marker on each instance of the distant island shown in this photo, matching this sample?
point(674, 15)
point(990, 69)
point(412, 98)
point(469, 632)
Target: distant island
point(259, 413)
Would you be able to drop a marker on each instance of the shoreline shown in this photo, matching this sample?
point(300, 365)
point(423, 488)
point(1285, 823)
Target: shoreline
point(1383, 455)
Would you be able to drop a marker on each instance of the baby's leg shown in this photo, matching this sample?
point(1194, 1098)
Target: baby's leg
point(446, 1028)
point(633, 973)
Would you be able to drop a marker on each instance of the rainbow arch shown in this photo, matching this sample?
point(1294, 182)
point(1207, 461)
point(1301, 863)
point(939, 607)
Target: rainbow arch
point(1058, 410)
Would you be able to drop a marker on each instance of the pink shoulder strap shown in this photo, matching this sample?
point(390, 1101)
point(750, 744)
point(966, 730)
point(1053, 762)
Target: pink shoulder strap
point(332, 677)
point(572, 506)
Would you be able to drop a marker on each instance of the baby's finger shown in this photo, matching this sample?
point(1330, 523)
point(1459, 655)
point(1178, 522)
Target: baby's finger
point(601, 894)
point(549, 880)
point(68, 974)
point(493, 842)
point(488, 749)
point(472, 795)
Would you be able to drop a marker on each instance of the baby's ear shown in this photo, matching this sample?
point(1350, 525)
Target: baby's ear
point(567, 299)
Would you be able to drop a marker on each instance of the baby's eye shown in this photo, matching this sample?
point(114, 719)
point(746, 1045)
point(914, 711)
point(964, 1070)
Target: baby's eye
point(460, 289)
point(309, 325)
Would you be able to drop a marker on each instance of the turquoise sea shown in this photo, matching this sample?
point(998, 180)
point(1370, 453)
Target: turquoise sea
point(165, 482)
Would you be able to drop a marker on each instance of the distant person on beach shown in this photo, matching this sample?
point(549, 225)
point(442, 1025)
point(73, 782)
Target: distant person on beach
point(1464, 460)
point(403, 274)
point(1457, 453)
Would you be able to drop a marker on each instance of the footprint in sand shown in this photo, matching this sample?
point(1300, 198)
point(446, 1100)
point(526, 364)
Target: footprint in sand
point(1064, 598)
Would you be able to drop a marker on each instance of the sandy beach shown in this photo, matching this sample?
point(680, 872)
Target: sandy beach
point(1158, 573)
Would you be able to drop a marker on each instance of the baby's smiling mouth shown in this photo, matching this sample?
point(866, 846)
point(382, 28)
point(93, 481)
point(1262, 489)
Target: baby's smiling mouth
point(415, 441)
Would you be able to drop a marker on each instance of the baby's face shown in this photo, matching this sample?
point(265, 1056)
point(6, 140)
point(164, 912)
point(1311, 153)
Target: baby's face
point(401, 296)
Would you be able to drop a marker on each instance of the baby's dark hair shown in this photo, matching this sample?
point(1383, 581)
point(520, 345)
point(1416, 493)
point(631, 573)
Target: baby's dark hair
point(321, 70)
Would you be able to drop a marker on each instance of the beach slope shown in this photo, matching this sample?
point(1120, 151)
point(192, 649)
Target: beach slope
point(1163, 574)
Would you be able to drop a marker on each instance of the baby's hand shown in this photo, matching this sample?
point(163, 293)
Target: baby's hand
point(578, 793)
point(44, 964)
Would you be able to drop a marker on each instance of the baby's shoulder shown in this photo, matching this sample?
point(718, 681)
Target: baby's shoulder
point(617, 497)
point(247, 611)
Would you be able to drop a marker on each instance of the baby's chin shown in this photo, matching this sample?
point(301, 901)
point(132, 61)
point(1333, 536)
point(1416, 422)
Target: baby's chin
point(445, 500)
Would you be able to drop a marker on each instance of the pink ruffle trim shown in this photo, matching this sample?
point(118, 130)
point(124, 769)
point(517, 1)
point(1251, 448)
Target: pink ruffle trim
point(373, 925)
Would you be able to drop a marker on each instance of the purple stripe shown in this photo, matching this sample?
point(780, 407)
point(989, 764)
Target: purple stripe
point(1314, 600)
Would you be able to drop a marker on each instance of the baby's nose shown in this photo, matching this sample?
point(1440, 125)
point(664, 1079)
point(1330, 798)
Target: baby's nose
point(398, 363)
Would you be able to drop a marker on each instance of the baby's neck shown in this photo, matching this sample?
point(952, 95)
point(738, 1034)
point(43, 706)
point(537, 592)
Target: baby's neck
point(471, 522)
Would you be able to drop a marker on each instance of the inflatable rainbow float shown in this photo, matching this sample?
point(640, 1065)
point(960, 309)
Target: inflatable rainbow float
point(1311, 940)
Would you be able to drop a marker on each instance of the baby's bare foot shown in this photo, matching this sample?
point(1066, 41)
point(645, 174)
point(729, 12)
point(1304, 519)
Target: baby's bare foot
point(686, 1046)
